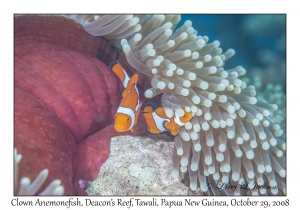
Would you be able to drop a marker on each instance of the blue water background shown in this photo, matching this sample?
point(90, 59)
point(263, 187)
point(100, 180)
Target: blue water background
point(258, 40)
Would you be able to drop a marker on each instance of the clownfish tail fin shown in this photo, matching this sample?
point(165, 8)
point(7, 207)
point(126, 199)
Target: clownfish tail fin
point(120, 72)
point(187, 117)
point(132, 81)
point(112, 63)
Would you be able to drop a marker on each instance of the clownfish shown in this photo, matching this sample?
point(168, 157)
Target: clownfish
point(123, 76)
point(158, 122)
point(129, 109)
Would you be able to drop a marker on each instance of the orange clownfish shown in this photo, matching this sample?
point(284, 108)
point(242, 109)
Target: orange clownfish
point(129, 109)
point(123, 76)
point(158, 122)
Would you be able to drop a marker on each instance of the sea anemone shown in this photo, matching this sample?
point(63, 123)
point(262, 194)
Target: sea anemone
point(231, 137)
point(60, 71)
point(109, 26)
point(28, 188)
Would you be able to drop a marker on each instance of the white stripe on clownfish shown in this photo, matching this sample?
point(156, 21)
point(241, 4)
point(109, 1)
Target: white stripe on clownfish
point(129, 112)
point(138, 105)
point(177, 120)
point(126, 80)
point(159, 122)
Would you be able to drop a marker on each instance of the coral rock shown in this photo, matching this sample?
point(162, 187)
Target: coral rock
point(138, 166)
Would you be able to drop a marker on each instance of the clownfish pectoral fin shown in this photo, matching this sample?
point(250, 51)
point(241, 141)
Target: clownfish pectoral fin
point(131, 106)
point(137, 114)
point(153, 131)
point(131, 100)
point(174, 132)
point(131, 130)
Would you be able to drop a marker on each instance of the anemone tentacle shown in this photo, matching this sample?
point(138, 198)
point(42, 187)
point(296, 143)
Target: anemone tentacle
point(231, 135)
